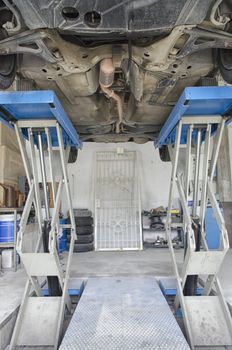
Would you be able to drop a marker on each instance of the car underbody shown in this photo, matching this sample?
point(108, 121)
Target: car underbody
point(118, 67)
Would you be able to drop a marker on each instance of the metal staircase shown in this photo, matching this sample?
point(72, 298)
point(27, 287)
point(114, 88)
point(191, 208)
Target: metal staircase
point(193, 135)
point(39, 117)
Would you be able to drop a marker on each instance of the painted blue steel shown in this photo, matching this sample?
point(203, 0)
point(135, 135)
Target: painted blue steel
point(62, 241)
point(74, 289)
point(212, 230)
point(31, 105)
point(213, 100)
point(171, 290)
point(71, 292)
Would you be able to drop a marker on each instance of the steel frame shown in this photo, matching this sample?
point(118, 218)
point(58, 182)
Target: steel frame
point(181, 178)
point(36, 128)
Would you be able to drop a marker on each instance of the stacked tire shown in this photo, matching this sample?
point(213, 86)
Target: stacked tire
point(84, 228)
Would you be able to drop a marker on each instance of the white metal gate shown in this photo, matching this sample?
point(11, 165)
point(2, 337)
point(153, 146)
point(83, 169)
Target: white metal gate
point(117, 201)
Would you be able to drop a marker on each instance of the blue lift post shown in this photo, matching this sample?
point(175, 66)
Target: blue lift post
point(199, 116)
point(39, 117)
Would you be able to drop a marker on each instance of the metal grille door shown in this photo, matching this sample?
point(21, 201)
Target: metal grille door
point(117, 201)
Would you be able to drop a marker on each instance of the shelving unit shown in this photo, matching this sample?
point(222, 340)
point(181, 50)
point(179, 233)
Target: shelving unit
point(15, 211)
point(156, 238)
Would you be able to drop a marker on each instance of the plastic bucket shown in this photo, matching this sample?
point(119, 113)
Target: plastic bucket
point(7, 258)
point(7, 228)
point(62, 240)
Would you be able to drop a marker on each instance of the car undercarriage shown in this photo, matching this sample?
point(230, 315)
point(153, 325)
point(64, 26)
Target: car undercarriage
point(118, 67)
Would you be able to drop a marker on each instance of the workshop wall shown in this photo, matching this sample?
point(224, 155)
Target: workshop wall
point(154, 174)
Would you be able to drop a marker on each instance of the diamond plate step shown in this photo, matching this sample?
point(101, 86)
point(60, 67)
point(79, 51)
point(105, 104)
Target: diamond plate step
point(39, 323)
point(123, 313)
point(207, 321)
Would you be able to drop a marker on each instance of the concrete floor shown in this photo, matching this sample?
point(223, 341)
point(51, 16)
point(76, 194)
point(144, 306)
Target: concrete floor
point(11, 289)
point(154, 262)
point(226, 277)
point(148, 262)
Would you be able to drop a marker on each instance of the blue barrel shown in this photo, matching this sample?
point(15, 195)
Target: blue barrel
point(7, 228)
point(62, 240)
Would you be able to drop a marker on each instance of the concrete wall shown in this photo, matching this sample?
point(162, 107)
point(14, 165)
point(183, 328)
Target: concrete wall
point(154, 174)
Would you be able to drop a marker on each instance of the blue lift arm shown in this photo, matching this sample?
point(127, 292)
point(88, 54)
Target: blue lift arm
point(199, 113)
point(38, 105)
point(195, 101)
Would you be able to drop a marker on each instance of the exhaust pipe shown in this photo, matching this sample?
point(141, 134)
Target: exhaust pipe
point(106, 79)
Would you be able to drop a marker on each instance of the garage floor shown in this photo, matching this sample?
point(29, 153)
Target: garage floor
point(154, 262)
point(147, 262)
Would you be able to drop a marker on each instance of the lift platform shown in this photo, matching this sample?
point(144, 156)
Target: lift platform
point(39, 117)
point(122, 313)
point(193, 134)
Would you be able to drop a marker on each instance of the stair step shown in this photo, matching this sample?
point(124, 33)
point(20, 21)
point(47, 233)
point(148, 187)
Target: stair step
point(40, 264)
point(204, 262)
point(207, 321)
point(39, 324)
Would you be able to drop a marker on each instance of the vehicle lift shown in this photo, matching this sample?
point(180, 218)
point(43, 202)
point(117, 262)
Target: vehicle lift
point(39, 117)
point(195, 127)
point(199, 117)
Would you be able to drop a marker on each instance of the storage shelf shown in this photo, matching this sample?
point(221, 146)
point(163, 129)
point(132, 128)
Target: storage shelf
point(10, 210)
point(12, 244)
point(7, 245)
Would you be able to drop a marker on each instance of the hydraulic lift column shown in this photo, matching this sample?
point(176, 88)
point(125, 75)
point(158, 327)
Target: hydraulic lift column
point(54, 288)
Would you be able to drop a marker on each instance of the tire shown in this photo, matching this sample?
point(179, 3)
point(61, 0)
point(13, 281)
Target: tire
point(82, 212)
point(54, 286)
point(82, 239)
point(190, 287)
point(84, 230)
point(224, 60)
point(81, 248)
point(164, 154)
point(83, 221)
point(73, 154)
point(8, 66)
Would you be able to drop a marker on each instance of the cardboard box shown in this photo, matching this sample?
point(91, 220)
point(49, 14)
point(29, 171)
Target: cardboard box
point(8, 138)
point(11, 166)
point(50, 197)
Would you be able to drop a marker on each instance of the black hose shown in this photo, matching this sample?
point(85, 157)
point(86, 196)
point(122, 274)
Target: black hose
point(54, 288)
point(191, 283)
